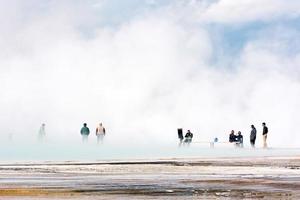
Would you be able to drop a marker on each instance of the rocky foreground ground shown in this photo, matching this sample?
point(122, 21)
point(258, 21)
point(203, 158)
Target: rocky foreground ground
point(230, 178)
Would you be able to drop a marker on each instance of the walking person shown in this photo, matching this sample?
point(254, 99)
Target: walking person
point(265, 133)
point(42, 132)
point(253, 136)
point(100, 133)
point(85, 131)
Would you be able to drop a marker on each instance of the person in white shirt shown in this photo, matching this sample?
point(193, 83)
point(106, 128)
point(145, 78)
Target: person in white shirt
point(100, 133)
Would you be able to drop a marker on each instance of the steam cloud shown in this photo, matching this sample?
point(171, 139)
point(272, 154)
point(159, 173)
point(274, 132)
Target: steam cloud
point(146, 68)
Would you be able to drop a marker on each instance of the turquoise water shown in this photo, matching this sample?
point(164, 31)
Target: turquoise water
point(68, 151)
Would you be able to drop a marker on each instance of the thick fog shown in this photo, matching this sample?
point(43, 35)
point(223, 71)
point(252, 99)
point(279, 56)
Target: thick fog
point(146, 68)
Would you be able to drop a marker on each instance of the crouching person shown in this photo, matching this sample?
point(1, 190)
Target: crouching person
point(188, 137)
point(239, 140)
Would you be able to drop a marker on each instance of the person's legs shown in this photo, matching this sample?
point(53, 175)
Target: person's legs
point(252, 141)
point(100, 138)
point(84, 138)
point(265, 140)
point(189, 142)
point(241, 145)
point(180, 142)
point(185, 142)
point(236, 144)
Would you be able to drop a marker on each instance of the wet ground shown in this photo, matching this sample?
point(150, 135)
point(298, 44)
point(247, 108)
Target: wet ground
point(235, 178)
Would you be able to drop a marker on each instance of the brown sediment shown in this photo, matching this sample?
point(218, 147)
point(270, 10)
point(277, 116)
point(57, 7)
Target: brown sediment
point(215, 178)
point(276, 183)
point(35, 192)
point(212, 193)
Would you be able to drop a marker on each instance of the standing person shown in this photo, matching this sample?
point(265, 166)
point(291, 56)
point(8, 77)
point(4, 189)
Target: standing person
point(85, 131)
point(42, 132)
point(253, 136)
point(100, 133)
point(232, 137)
point(180, 136)
point(265, 133)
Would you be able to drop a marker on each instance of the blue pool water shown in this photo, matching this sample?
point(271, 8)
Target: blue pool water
point(68, 151)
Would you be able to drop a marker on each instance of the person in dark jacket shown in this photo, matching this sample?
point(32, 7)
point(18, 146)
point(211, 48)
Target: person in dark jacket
point(85, 131)
point(265, 133)
point(180, 136)
point(253, 136)
point(188, 137)
point(239, 139)
point(232, 137)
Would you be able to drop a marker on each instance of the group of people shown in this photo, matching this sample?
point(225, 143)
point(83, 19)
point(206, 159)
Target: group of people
point(238, 139)
point(100, 133)
point(85, 132)
point(187, 139)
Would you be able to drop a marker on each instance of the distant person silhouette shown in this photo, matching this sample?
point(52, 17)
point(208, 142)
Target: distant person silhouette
point(100, 133)
point(188, 137)
point(85, 131)
point(42, 132)
point(253, 136)
point(232, 137)
point(265, 133)
point(239, 140)
point(180, 136)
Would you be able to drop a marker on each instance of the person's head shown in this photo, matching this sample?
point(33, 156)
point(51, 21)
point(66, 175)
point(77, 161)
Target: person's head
point(189, 131)
point(84, 124)
point(232, 132)
point(100, 124)
point(239, 133)
point(263, 124)
point(252, 126)
point(43, 124)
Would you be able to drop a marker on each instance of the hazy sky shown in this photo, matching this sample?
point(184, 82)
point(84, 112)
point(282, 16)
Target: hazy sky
point(147, 67)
